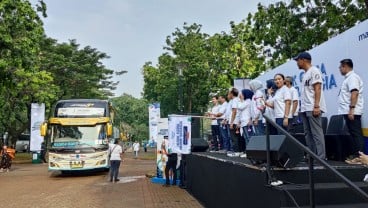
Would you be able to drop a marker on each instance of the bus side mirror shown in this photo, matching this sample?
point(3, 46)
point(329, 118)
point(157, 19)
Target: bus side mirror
point(109, 130)
point(43, 129)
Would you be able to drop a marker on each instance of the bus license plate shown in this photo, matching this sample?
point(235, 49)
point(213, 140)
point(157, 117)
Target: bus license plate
point(76, 164)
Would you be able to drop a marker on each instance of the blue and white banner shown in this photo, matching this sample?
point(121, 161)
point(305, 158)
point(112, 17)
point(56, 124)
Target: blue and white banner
point(154, 116)
point(180, 134)
point(37, 118)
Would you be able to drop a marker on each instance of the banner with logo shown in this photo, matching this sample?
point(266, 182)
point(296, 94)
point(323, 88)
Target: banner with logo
point(153, 118)
point(37, 118)
point(180, 134)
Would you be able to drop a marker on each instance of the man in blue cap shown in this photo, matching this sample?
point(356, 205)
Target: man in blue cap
point(312, 104)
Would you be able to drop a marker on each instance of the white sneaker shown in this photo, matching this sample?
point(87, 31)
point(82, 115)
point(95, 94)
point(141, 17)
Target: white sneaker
point(231, 154)
point(243, 155)
point(237, 154)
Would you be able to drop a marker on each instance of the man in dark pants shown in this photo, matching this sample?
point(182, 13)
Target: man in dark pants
point(312, 104)
point(43, 152)
point(351, 106)
point(233, 120)
point(171, 164)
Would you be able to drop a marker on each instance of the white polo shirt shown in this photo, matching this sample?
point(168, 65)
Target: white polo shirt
point(222, 110)
point(351, 81)
point(234, 105)
point(214, 110)
point(312, 76)
point(244, 109)
point(281, 96)
point(294, 97)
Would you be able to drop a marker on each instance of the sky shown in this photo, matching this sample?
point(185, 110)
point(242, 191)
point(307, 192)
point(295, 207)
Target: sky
point(133, 32)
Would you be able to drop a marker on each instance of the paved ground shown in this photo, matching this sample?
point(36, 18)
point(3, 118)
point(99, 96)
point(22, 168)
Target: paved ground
point(31, 185)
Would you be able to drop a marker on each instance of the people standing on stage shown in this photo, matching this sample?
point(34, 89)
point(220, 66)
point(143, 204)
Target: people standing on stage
point(245, 120)
point(281, 102)
point(233, 119)
point(258, 106)
point(221, 120)
point(294, 110)
point(351, 104)
point(312, 104)
point(270, 92)
point(214, 125)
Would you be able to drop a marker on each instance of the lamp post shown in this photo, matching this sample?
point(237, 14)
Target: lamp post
point(181, 100)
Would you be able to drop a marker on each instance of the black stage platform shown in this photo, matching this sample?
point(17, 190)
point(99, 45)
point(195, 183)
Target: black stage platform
point(220, 181)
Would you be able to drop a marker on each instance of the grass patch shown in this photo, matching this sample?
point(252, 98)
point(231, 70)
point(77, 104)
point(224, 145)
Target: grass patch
point(22, 156)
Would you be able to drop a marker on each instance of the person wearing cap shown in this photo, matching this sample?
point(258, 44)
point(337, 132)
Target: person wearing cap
point(312, 104)
point(294, 110)
point(351, 105)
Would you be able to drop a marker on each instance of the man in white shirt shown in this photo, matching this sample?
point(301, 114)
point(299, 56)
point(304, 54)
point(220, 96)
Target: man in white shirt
point(233, 120)
point(115, 152)
point(221, 120)
point(214, 125)
point(312, 104)
point(351, 104)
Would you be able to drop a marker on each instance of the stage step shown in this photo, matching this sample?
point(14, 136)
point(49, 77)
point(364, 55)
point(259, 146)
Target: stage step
point(325, 194)
point(336, 206)
point(321, 175)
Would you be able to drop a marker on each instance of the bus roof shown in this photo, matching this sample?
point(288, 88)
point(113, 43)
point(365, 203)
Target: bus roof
point(81, 101)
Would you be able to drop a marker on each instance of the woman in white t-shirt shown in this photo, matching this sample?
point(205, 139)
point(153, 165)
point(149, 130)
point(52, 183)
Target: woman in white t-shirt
point(115, 152)
point(281, 102)
point(245, 120)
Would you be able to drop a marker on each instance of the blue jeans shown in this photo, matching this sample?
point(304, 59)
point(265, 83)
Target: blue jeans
point(114, 169)
point(280, 122)
point(225, 133)
point(259, 129)
point(247, 133)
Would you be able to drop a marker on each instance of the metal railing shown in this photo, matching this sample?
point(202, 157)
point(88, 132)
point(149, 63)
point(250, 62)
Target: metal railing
point(311, 157)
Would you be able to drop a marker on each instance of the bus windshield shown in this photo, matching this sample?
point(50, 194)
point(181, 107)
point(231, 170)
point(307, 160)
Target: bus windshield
point(78, 136)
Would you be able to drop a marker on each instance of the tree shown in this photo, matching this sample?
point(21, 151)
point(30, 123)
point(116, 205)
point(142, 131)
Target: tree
point(132, 116)
point(287, 28)
point(78, 72)
point(22, 81)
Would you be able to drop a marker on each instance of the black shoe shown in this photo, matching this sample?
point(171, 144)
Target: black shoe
point(117, 180)
point(166, 185)
point(110, 180)
point(174, 184)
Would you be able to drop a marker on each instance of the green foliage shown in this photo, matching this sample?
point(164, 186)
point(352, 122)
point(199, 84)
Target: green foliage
point(208, 64)
point(265, 39)
point(132, 116)
point(287, 28)
point(78, 72)
point(37, 69)
point(22, 81)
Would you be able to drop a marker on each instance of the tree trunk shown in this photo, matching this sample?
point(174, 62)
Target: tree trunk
point(366, 5)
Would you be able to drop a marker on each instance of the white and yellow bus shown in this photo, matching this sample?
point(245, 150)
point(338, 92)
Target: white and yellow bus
point(78, 133)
